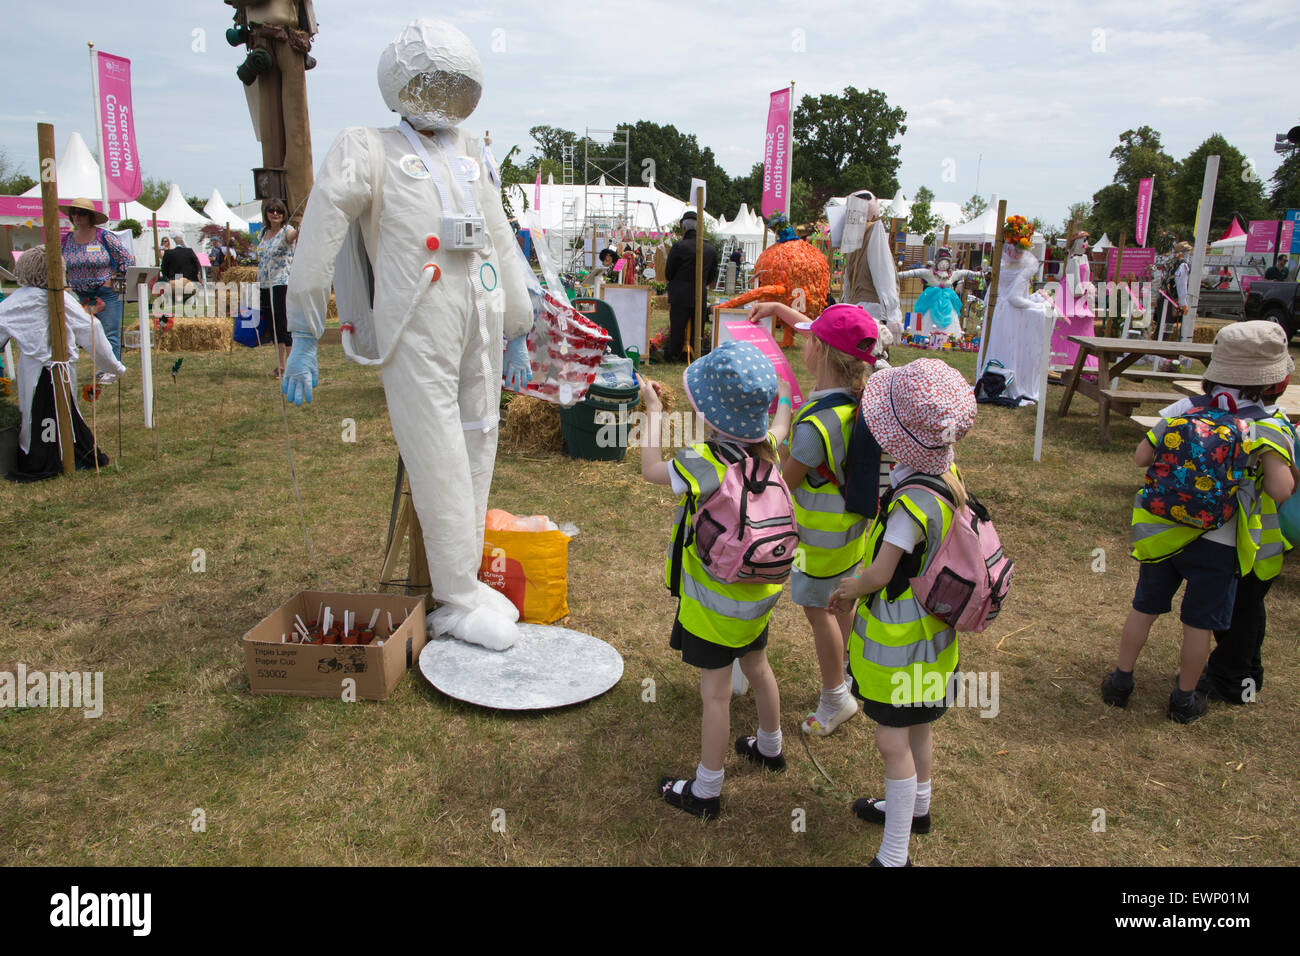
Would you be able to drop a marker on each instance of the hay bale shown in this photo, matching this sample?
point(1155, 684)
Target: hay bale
point(240, 274)
point(194, 335)
point(531, 426)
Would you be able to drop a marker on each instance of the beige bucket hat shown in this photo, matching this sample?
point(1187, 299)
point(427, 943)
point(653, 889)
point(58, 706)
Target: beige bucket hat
point(1250, 353)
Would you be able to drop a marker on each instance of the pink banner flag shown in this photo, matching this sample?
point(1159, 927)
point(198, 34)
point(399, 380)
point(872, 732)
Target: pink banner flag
point(776, 154)
point(1288, 231)
point(121, 161)
point(1144, 210)
point(537, 191)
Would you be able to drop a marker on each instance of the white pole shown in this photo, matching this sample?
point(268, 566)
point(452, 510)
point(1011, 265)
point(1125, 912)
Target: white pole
point(1198, 247)
point(99, 131)
point(789, 156)
point(146, 355)
point(1042, 385)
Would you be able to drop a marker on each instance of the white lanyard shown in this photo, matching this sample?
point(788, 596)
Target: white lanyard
point(452, 160)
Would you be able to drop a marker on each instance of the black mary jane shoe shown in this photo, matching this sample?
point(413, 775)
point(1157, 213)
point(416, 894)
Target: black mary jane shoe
point(704, 808)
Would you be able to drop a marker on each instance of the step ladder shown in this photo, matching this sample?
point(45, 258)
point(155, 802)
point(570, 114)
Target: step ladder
point(727, 248)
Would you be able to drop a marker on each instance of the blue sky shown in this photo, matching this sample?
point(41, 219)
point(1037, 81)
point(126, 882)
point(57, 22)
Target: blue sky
point(1039, 90)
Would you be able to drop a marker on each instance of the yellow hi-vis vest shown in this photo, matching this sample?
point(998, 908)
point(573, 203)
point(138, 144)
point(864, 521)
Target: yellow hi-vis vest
point(729, 614)
point(831, 540)
point(1272, 434)
point(899, 652)
point(1260, 543)
point(1155, 537)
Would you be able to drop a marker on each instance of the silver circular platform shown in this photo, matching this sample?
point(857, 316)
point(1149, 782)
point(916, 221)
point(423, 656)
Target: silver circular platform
point(548, 667)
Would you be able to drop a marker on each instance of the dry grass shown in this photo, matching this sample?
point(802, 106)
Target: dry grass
point(98, 577)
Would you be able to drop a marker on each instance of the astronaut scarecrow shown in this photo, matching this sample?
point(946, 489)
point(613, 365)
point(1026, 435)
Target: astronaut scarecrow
point(940, 305)
point(870, 278)
point(447, 288)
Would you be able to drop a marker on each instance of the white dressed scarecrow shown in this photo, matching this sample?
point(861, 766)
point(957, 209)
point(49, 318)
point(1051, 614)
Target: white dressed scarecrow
point(435, 297)
point(939, 303)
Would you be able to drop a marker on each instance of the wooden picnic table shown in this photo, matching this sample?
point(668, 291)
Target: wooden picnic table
point(1289, 401)
point(1114, 356)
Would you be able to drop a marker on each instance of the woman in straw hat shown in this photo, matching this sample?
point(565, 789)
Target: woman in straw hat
point(25, 318)
point(93, 257)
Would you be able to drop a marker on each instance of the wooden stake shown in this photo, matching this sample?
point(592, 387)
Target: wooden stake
point(697, 332)
point(157, 253)
point(54, 283)
point(991, 300)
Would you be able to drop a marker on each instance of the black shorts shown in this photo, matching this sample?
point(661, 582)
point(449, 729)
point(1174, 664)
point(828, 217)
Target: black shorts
point(274, 306)
point(893, 715)
point(707, 655)
point(1210, 570)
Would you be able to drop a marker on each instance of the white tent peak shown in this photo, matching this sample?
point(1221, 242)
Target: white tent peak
point(175, 209)
point(550, 179)
point(77, 171)
point(220, 213)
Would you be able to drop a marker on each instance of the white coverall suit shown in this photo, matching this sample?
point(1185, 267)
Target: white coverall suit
point(442, 374)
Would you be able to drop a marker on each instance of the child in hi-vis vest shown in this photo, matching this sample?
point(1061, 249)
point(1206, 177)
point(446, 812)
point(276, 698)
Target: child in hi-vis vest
point(901, 656)
point(839, 354)
point(1248, 358)
point(731, 388)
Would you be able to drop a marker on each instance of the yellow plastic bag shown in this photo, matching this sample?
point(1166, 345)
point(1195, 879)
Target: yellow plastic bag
point(531, 568)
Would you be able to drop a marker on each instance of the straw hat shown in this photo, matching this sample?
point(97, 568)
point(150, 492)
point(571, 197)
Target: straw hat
point(1250, 353)
point(84, 205)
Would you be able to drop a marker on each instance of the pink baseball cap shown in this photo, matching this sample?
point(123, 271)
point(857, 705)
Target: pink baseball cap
point(846, 328)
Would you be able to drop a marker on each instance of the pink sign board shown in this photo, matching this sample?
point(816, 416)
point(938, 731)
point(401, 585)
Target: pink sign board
point(116, 115)
point(1143, 210)
point(776, 153)
point(1138, 262)
point(1288, 230)
point(746, 331)
point(29, 207)
point(1261, 235)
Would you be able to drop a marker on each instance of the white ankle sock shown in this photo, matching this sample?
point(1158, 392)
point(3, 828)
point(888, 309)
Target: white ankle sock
point(708, 783)
point(901, 797)
point(832, 702)
point(769, 745)
point(922, 799)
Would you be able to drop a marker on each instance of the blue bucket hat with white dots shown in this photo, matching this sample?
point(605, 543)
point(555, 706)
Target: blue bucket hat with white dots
point(732, 388)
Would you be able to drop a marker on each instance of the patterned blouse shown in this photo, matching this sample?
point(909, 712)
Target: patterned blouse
point(274, 258)
point(92, 265)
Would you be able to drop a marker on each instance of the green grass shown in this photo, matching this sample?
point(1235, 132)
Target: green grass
point(97, 574)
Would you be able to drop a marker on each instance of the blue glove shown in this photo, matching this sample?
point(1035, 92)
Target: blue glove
point(301, 371)
point(518, 371)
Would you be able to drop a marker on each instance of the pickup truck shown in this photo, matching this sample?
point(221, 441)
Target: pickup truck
point(1275, 301)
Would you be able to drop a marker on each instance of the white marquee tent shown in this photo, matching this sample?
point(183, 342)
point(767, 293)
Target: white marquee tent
point(217, 210)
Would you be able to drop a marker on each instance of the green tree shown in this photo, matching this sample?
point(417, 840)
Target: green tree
point(1285, 193)
point(152, 192)
point(1237, 189)
point(845, 142)
point(13, 181)
point(921, 219)
point(552, 139)
point(973, 207)
point(1138, 156)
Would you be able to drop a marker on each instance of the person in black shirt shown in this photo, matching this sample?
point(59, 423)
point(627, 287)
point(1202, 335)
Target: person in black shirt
point(679, 271)
point(180, 262)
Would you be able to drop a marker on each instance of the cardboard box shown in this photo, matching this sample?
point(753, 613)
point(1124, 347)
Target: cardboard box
point(319, 670)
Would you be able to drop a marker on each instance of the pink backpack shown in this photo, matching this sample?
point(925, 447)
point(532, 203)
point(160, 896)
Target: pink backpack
point(745, 531)
point(967, 578)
